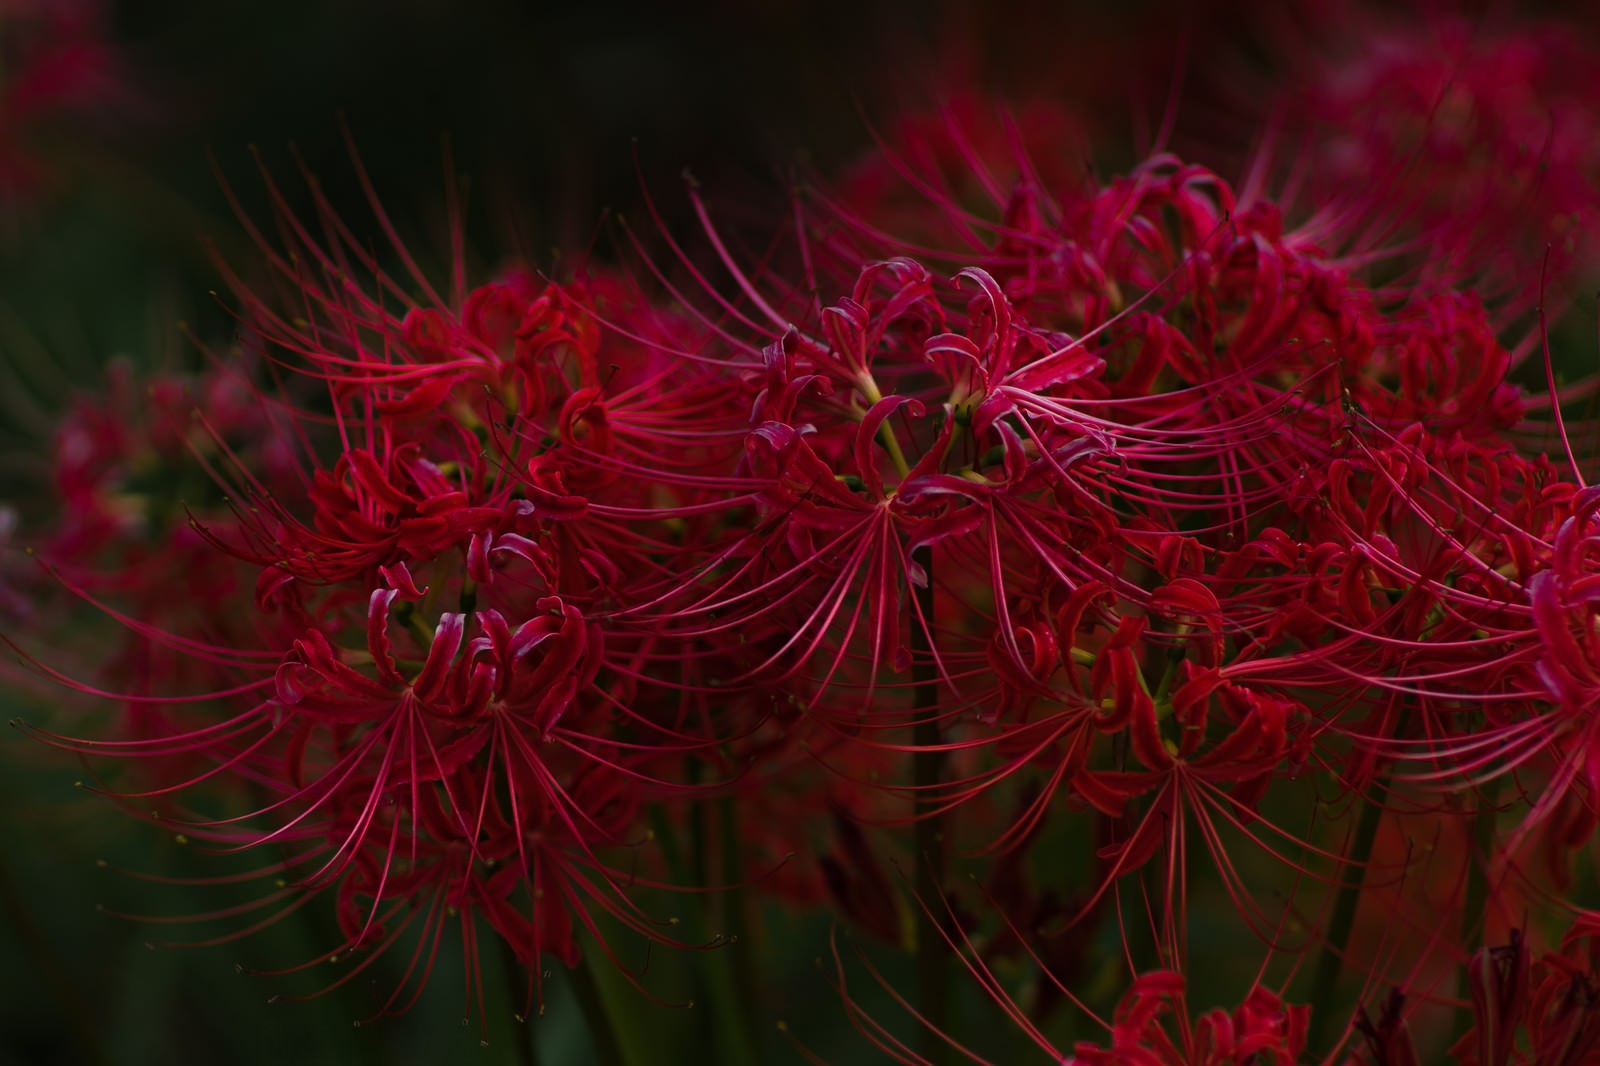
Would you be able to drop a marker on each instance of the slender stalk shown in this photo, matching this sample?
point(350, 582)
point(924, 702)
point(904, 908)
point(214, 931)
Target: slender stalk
point(733, 983)
point(1472, 913)
point(602, 1029)
point(724, 979)
point(1325, 980)
point(515, 974)
point(891, 443)
point(932, 953)
point(1483, 825)
point(703, 980)
point(667, 840)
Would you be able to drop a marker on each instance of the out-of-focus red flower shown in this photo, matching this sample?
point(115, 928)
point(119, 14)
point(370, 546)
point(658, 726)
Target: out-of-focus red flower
point(62, 72)
point(1466, 144)
point(1262, 1029)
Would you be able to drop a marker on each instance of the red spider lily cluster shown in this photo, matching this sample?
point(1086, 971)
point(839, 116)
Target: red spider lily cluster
point(1471, 131)
point(61, 72)
point(1044, 575)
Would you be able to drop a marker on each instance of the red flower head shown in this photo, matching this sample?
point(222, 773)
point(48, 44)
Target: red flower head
point(1472, 139)
point(433, 703)
point(62, 72)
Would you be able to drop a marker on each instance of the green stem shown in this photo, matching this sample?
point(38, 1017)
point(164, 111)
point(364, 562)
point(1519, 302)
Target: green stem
point(602, 1030)
point(891, 443)
point(1478, 875)
point(1325, 981)
point(1472, 916)
point(932, 953)
point(728, 983)
point(667, 841)
point(515, 974)
point(731, 982)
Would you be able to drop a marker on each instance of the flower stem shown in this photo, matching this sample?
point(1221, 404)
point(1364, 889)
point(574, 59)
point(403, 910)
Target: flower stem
point(723, 979)
point(515, 974)
point(891, 443)
point(602, 1029)
point(732, 985)
point(1473, 919)
point(1325, 981)
point(1478, 875)
point(932, 958)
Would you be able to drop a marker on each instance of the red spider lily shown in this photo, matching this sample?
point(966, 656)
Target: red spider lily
point(415, 758)
point(1454, 537)
point(123, 465)
point(1219, 400)
point(415, 478)
point(476, 759)
point(1209, 749)
point(128, 480)
point(854, 482)
point(63, 71)
point(1240, 285)
point(523, 875)
point(1256, 391)
point(1562, 608)
point(1151, 1026)
point(1263, 1029)
point(1388, 1042)
point(1563, 1018)
point(1105, 517)
point(1527, 1008)
point(1474, 134)
point(968, 151)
